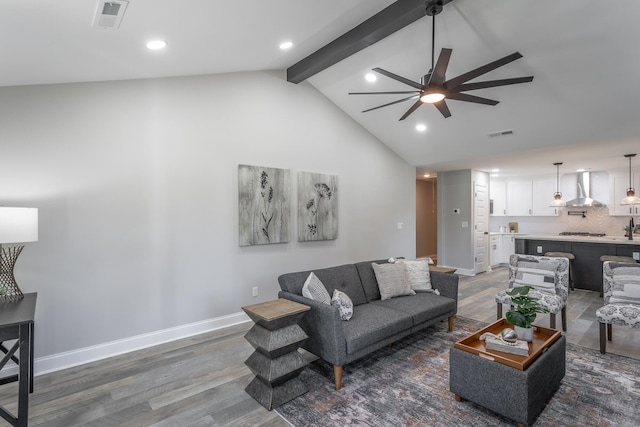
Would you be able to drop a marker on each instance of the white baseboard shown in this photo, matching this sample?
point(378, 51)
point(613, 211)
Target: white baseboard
point(68, 359)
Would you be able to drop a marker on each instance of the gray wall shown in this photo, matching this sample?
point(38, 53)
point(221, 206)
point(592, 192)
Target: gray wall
point(136, 185)
point(455, 192)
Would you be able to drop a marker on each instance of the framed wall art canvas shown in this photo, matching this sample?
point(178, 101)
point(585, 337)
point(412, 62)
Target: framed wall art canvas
point(317, 206)
point(264, 205)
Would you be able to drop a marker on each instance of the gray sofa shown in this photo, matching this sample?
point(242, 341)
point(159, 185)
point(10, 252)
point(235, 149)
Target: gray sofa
point(375, 323)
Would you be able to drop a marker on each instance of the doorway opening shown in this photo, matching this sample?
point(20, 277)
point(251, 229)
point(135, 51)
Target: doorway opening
point(427, 219)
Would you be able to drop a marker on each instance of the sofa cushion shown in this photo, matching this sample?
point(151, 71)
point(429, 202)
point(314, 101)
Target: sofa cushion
point(392, 280)
point(371, 323)
point(345, 278)
point(344, 304)
point(417, 273)
point(315, 290)
point(422, 307)
point(368, 278)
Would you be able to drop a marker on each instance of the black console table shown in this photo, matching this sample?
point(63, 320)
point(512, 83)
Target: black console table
point(16, 323)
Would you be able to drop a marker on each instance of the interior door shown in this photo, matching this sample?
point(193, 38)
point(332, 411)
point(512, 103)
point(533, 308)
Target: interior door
point(481, 227)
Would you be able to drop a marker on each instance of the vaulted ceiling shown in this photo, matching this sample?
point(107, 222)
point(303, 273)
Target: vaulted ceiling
point(581, 107)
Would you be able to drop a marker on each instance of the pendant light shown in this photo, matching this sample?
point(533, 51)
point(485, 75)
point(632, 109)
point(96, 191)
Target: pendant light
point(557, 196)
point(631, 198)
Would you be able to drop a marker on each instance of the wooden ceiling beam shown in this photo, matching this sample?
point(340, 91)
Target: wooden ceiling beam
point(386, 22)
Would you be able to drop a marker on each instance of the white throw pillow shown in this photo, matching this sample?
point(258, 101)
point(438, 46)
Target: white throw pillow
point(315, 290)
point(392, 280)
point(417, 273)
point(344, 304)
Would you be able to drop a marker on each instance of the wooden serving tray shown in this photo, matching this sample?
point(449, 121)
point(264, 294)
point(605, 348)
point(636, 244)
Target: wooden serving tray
point(542, 339)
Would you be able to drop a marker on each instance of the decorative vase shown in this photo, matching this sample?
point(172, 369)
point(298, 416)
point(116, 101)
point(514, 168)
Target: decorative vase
point(524, 334)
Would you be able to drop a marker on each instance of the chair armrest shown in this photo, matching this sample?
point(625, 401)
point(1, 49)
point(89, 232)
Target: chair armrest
point(324, 327)
point(446, 284)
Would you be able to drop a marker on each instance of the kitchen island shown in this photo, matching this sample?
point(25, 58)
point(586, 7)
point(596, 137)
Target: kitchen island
point(587, 268)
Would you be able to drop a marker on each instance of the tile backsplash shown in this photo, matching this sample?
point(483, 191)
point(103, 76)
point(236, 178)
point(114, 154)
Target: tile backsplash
point(596, 220)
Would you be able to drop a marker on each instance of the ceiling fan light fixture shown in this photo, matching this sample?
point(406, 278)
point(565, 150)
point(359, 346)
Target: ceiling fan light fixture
point(631, 198)
point(431, 97)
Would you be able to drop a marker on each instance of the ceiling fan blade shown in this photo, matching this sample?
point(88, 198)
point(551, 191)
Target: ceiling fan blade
point(490, 83)
point(384, 93)
point(398, 78)
point(443, 108)
point(413, 108)
point(437, 76)
point(462, 78)
point(471, 98)
point(390, 103)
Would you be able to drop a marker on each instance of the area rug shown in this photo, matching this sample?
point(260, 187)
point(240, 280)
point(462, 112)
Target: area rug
point(408, 385)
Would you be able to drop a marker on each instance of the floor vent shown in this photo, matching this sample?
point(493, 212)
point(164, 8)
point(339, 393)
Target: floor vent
point(501, 133)
point(109, 14)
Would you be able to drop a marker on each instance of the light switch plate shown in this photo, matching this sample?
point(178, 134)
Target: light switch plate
point(636, 256)
point(539, 249)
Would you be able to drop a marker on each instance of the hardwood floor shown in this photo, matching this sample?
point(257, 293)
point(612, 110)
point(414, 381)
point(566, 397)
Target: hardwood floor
point(200, 381)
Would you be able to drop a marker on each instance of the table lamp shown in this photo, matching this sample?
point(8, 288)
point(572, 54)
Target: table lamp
point(17, 225)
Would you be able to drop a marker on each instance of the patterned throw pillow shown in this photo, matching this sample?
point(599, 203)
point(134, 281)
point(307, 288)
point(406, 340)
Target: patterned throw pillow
point(626, 285)
point(344, 304)
point(417, 274)
point(392, 280)
point(315, 290)
point(539, 274)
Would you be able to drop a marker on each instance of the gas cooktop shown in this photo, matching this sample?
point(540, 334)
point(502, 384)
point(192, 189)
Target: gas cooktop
point(582, 233)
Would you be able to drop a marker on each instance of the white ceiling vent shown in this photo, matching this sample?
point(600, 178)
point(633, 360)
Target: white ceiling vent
point(109, 13)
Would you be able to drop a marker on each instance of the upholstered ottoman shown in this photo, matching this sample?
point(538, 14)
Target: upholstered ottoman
point(519, 395)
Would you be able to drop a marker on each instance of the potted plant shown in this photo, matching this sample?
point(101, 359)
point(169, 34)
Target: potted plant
point(523, 312)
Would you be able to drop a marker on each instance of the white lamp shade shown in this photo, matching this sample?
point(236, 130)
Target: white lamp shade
point(18, 225)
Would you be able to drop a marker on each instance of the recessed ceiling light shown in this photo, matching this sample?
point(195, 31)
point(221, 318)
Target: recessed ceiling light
point(156, 44)
point(370, 77)
point(286, 45)
point(580, 170)
point(421, 127)
point(495, 170)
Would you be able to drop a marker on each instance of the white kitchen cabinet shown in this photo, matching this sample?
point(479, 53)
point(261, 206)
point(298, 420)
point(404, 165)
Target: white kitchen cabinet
point(507, 247)
point(502, 246)
point(519, 198)
point(495, 252)
point(498, 196)
point(542, 195)
point(618, 184)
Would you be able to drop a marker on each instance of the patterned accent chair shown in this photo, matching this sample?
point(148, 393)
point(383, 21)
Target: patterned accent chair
point(550, 278)
point(621, 287)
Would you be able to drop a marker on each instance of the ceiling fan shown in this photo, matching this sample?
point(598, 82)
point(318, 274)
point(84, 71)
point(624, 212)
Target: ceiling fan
point(433, 88)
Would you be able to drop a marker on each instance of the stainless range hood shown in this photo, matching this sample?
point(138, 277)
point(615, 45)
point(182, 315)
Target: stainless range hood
point(584, 198)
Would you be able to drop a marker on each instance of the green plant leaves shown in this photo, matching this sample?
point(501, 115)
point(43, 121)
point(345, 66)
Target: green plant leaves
point(525, 308)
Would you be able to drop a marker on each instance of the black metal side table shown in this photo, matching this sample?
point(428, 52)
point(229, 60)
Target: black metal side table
point(16, 323)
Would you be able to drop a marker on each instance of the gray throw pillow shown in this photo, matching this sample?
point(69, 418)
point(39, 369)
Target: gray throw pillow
point(539, 274)
point(392, 280)
point(626, 285)
point(315, 290)
point(344, 304)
